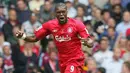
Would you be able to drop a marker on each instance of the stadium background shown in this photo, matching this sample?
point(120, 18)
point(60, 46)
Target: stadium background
point(108, 22)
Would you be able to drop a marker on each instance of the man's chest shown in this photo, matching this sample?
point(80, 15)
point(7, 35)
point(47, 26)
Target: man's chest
point(114, 66)
point(64, 33)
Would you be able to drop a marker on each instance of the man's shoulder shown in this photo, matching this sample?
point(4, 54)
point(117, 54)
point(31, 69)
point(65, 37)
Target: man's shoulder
point(37, 23)
point(120, 24)
point(101, 53)
point(108, 60)
point(98, 53)
point(53, 21)
point(121, 60)
point(126, 54)
point(26, 22)
point(110, 52)
point(76, 22)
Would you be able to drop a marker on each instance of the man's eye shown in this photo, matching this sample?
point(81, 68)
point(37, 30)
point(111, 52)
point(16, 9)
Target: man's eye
point(63, 11)
point(58, 12)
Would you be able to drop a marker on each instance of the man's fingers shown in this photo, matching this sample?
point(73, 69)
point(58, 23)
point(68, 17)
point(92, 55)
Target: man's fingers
point(90, 40)
point(19, 34)
point(16, 34)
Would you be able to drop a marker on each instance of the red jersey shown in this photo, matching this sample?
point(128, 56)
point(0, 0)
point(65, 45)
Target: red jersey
point(66, 39)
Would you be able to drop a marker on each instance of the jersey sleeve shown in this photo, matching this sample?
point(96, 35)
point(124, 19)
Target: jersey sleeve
point(42, 31)
point(82, 30)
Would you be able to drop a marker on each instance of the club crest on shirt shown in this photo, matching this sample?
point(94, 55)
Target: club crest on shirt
point(69, 30)
point(54, 30)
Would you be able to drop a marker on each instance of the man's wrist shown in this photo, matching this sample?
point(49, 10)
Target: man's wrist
point(24, 36)
point(90, 41)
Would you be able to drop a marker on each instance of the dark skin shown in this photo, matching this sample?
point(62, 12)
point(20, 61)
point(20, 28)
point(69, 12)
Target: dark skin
point(61, 14)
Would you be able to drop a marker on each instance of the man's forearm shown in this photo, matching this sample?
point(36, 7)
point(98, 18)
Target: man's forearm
point(88, 42)
point(20, 34)
point(90, 45)
point(31, 39)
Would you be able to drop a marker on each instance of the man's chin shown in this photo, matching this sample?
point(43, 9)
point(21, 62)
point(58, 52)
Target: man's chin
point(62, 21)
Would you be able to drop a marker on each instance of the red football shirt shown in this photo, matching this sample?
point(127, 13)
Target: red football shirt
point(66, 39)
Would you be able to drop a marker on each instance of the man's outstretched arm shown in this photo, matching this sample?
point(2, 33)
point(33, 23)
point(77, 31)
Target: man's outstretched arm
point(40, 33)
point(31, 39)
point(22, 35)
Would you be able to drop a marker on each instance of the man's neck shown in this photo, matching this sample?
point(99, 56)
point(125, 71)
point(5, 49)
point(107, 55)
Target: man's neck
point(62, 23)
point(24, 9)
point(1, 14)
point(126, 22)
point(32, 22)
point(13, 22)
point(115, 59)
point(112, 37)
point(103, 50)
point(105, 21)
point(91, 4)
point(52, 60)
point(128, 51)
point(37, 0)
point(7, 55)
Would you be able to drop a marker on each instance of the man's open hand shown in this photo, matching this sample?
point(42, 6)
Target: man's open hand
point(19, 34)
point(88, 42)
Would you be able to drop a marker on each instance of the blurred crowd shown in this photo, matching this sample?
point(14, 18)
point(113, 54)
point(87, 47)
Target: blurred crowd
point(107, 21)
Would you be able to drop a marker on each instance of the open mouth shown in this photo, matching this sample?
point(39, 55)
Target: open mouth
point(61, 18)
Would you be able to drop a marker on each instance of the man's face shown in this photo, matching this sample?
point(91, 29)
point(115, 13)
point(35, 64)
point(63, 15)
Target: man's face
point(80, 11)
point(126, 16)
point(1, 62)
point(91, 65)
point(97, 13)
point(91, 1)
point(21, 5)
point(53, 56)
point(111, 22)
point(117, 10)
point(117, 54)
point(116, 1)
point(1, 11)
point(128, 45)
point(6, 50)
point(33, 19)
point(125, 69)
point(28, 45)
point(51, 45)
point(106, 16)
point(61, 14)
point(104, 45)
point(123, 42)
point(68, 4)
point(47, 6)
point(111, 32)
point(12, 15)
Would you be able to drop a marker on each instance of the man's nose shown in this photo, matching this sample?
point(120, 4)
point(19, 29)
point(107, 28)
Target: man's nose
point(61, 13)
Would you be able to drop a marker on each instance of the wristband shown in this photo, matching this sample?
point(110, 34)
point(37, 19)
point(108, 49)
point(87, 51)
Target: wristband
point(24, 36)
